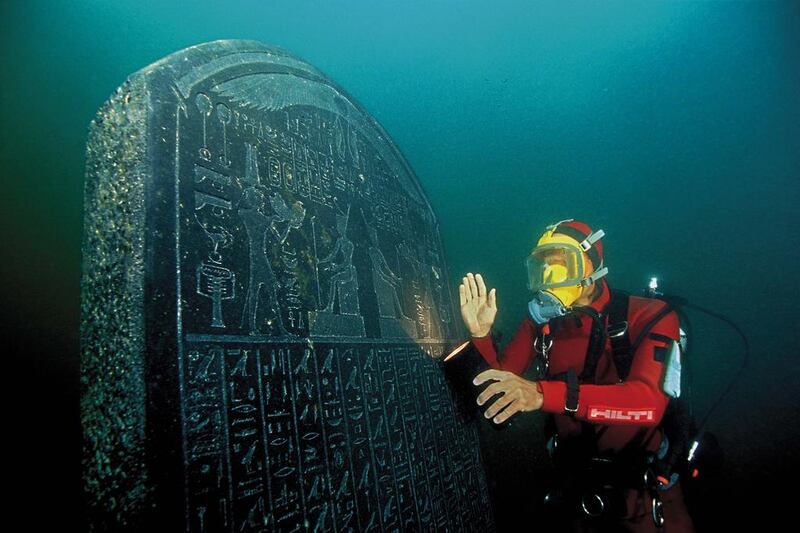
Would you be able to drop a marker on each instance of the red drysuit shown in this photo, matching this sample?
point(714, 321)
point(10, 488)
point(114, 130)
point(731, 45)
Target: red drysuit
point(622, 413)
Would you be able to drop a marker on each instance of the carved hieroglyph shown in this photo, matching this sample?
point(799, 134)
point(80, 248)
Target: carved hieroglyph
point(264, 300)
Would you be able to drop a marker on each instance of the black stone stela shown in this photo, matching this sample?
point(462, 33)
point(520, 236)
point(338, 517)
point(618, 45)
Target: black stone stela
point(264, 304)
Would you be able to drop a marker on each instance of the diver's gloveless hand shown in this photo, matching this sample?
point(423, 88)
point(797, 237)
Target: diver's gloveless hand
point(517, 393)
point(477, 309)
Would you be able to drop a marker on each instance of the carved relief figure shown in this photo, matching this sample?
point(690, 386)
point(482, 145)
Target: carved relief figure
point(393, 321)
point(258, 227)
point(384, 280)
point(343, 280)
point(347, 322)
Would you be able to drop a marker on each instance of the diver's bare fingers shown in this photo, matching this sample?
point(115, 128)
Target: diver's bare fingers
point(472, 286)
point(490, 391)
point(462, 297)
point(481, 286)
point(498, 405)
point(492, 373)
point(510, 411)
point(467, 291)
point(493, 299)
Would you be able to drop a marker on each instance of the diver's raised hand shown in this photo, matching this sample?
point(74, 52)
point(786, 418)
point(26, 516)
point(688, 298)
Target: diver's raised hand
point(478, 308)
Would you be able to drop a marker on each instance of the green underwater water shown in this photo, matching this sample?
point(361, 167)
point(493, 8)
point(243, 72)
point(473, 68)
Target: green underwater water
point(674, 126)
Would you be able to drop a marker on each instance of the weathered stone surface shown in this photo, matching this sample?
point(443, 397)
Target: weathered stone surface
point(264, 299)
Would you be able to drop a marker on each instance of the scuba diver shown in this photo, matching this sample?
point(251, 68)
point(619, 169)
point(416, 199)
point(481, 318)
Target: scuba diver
point(607, 362)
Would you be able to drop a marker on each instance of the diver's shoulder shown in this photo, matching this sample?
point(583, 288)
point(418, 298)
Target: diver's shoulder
point(641, 303)
point(642, 310)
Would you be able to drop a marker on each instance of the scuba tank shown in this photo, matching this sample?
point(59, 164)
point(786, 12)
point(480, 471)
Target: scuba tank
point(695, 453)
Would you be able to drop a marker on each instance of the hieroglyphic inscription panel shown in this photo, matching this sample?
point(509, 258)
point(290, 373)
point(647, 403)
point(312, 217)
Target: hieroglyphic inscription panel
point(299, 304)
point(326, 438)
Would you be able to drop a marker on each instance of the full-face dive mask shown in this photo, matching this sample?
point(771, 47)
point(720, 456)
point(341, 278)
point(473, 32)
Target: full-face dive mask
point(557, 266)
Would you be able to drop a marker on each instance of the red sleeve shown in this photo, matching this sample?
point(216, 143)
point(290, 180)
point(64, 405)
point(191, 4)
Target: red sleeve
point(519, 353)
point(639, 400)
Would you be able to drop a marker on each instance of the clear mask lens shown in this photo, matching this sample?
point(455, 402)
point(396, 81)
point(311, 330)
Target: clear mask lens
point(554, 265)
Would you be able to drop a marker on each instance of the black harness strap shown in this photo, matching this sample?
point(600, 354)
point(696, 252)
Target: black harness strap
point(618, 333)
point(597, 342)
point(594, 349)
point(621, 345)
point(660, 337)
point(646, 330)
point(571, 403)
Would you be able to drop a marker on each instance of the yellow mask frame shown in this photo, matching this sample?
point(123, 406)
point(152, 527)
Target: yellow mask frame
point(558, 263)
